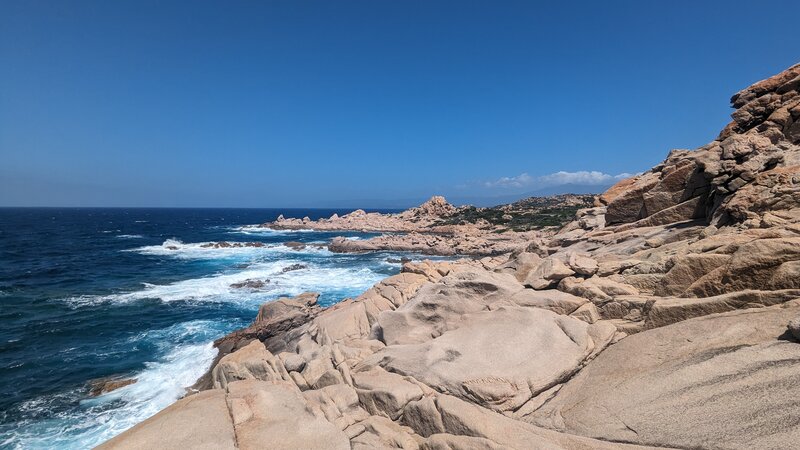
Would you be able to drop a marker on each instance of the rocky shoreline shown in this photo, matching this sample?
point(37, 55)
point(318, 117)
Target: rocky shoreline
point(438, 228)
point(664, 316)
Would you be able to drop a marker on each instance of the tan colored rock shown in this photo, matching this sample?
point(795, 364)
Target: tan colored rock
point(292, 361)
point(521, 265)
point(284, 308)
point(338, 404)
point(253, 362)
point(275, 324)
point(582, 265)
point(347, 321)
point(754, 265)
point(277, 414)
point(453, 442)
point(687, 269)
point(719, 381)
point(588, 313)
point(105, 385)
point(200, 421)
point(499, 358)
point(380, 432)
point(596, 289)
point(625, 202)
point(383, 393)
point(437, 307)
point(666, 311)
point(462, 418)
point(320, 372)
point(548, 273)
point(550, 299)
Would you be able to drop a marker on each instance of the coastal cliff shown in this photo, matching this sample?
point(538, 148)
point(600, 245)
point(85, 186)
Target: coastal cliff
point(662, 316)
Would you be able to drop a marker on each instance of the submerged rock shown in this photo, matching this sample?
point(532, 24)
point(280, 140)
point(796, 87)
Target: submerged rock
point(224, 244)
point(294, 267)
point(251, 283)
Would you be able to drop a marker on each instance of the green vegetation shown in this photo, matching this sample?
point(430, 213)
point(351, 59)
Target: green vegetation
point(529, 214)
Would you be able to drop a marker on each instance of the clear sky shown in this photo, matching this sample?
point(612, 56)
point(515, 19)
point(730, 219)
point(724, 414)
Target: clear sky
point(373, 103)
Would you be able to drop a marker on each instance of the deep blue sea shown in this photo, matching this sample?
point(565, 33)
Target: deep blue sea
point(91, 293)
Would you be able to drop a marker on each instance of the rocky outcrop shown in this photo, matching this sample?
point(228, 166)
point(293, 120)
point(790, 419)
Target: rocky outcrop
point(105, 385)
point(750, 169)
point(413, 219)
point(438, 228)
point(465, 241)
point(666, 316)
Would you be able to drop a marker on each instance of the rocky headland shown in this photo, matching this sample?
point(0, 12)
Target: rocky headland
point(664, 316)
point(438, 228)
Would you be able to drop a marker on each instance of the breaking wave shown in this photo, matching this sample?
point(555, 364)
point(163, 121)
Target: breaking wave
point(210, 250)
point(232, 288)
point(186, 353)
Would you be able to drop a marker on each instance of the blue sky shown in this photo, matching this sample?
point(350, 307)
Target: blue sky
point(373, 103)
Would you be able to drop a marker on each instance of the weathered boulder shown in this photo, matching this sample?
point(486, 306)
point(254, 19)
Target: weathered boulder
point(521, 265)
point(275, 319)
point(548, 273)
point(794, 327)
point(253, 362)
point(582, 265)
point(588, 313)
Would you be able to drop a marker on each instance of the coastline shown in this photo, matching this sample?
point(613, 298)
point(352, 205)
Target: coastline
point(677, 287)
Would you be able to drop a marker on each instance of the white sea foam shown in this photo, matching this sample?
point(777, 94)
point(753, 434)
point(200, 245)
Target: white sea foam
point(129, 236)
point(203, 250)
point(218, 288)
point(260, 230)
point(96, 420)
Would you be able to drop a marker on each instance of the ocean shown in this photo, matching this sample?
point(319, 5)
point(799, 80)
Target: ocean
point(91, 293)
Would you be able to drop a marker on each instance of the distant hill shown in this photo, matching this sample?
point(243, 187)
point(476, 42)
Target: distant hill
point(580, 189)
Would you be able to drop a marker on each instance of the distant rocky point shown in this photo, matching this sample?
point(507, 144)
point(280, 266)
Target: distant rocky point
point(438, 228)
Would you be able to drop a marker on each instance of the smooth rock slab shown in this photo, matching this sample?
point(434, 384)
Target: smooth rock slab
point(501, 358)
point(200, 421)
point(721, 381)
